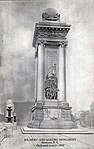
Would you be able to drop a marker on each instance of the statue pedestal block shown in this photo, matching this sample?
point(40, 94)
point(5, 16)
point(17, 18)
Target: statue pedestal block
point(9, 129)
point(38, 115)
point(14, 125)
point(57, 124)
point(51, 114)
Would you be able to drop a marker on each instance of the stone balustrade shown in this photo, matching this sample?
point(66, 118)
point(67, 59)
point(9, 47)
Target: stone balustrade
point(2, 134)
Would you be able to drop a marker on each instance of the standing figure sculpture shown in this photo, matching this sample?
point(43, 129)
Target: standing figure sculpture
point(51, 88)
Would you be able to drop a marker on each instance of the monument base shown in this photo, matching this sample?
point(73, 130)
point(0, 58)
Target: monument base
point(52, 114)
point(14, 125)
point(49, 124)
point(9, 129)
point(26, 130)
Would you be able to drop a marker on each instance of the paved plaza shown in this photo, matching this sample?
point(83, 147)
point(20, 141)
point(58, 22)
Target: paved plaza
point(45, 141)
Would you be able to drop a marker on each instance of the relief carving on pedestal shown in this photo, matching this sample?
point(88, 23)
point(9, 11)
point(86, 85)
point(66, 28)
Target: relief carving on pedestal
point(51, 87)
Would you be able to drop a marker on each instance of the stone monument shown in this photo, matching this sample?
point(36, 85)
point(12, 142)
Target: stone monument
point(51, 109)
point(9, 110)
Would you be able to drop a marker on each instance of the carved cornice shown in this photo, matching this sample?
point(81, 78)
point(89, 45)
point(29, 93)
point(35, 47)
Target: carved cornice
point(51, 32)
point(57, 32)
point(41, 42)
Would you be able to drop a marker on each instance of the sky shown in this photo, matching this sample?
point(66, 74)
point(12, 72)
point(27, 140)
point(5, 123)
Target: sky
point(17, 23)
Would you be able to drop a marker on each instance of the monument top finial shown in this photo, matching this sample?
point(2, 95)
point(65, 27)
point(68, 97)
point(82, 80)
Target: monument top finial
point(50, 14)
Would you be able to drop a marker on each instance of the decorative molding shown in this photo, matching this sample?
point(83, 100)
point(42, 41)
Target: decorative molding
point(41, 42)
point(55, 33)
point(50, 33)
point(63, 43)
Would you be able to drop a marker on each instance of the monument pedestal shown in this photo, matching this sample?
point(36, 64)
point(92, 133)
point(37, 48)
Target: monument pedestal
point(38, 115)
point(52, 114)
point(9, 129)
point(57, 115)
point(14, 125)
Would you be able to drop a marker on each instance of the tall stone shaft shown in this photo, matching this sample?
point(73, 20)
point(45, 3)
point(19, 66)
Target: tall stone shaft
point(62, 74)
point(40, 80)
point(36, 72)
point(51, 109)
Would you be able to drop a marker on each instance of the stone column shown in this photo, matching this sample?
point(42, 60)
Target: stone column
point(62, 73)
point(36, 75)
point(40, 85)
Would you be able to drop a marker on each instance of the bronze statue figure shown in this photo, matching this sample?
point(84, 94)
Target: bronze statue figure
point(51, 87)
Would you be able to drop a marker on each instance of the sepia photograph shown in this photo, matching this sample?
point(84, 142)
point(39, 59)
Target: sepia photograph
point(46, 74)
